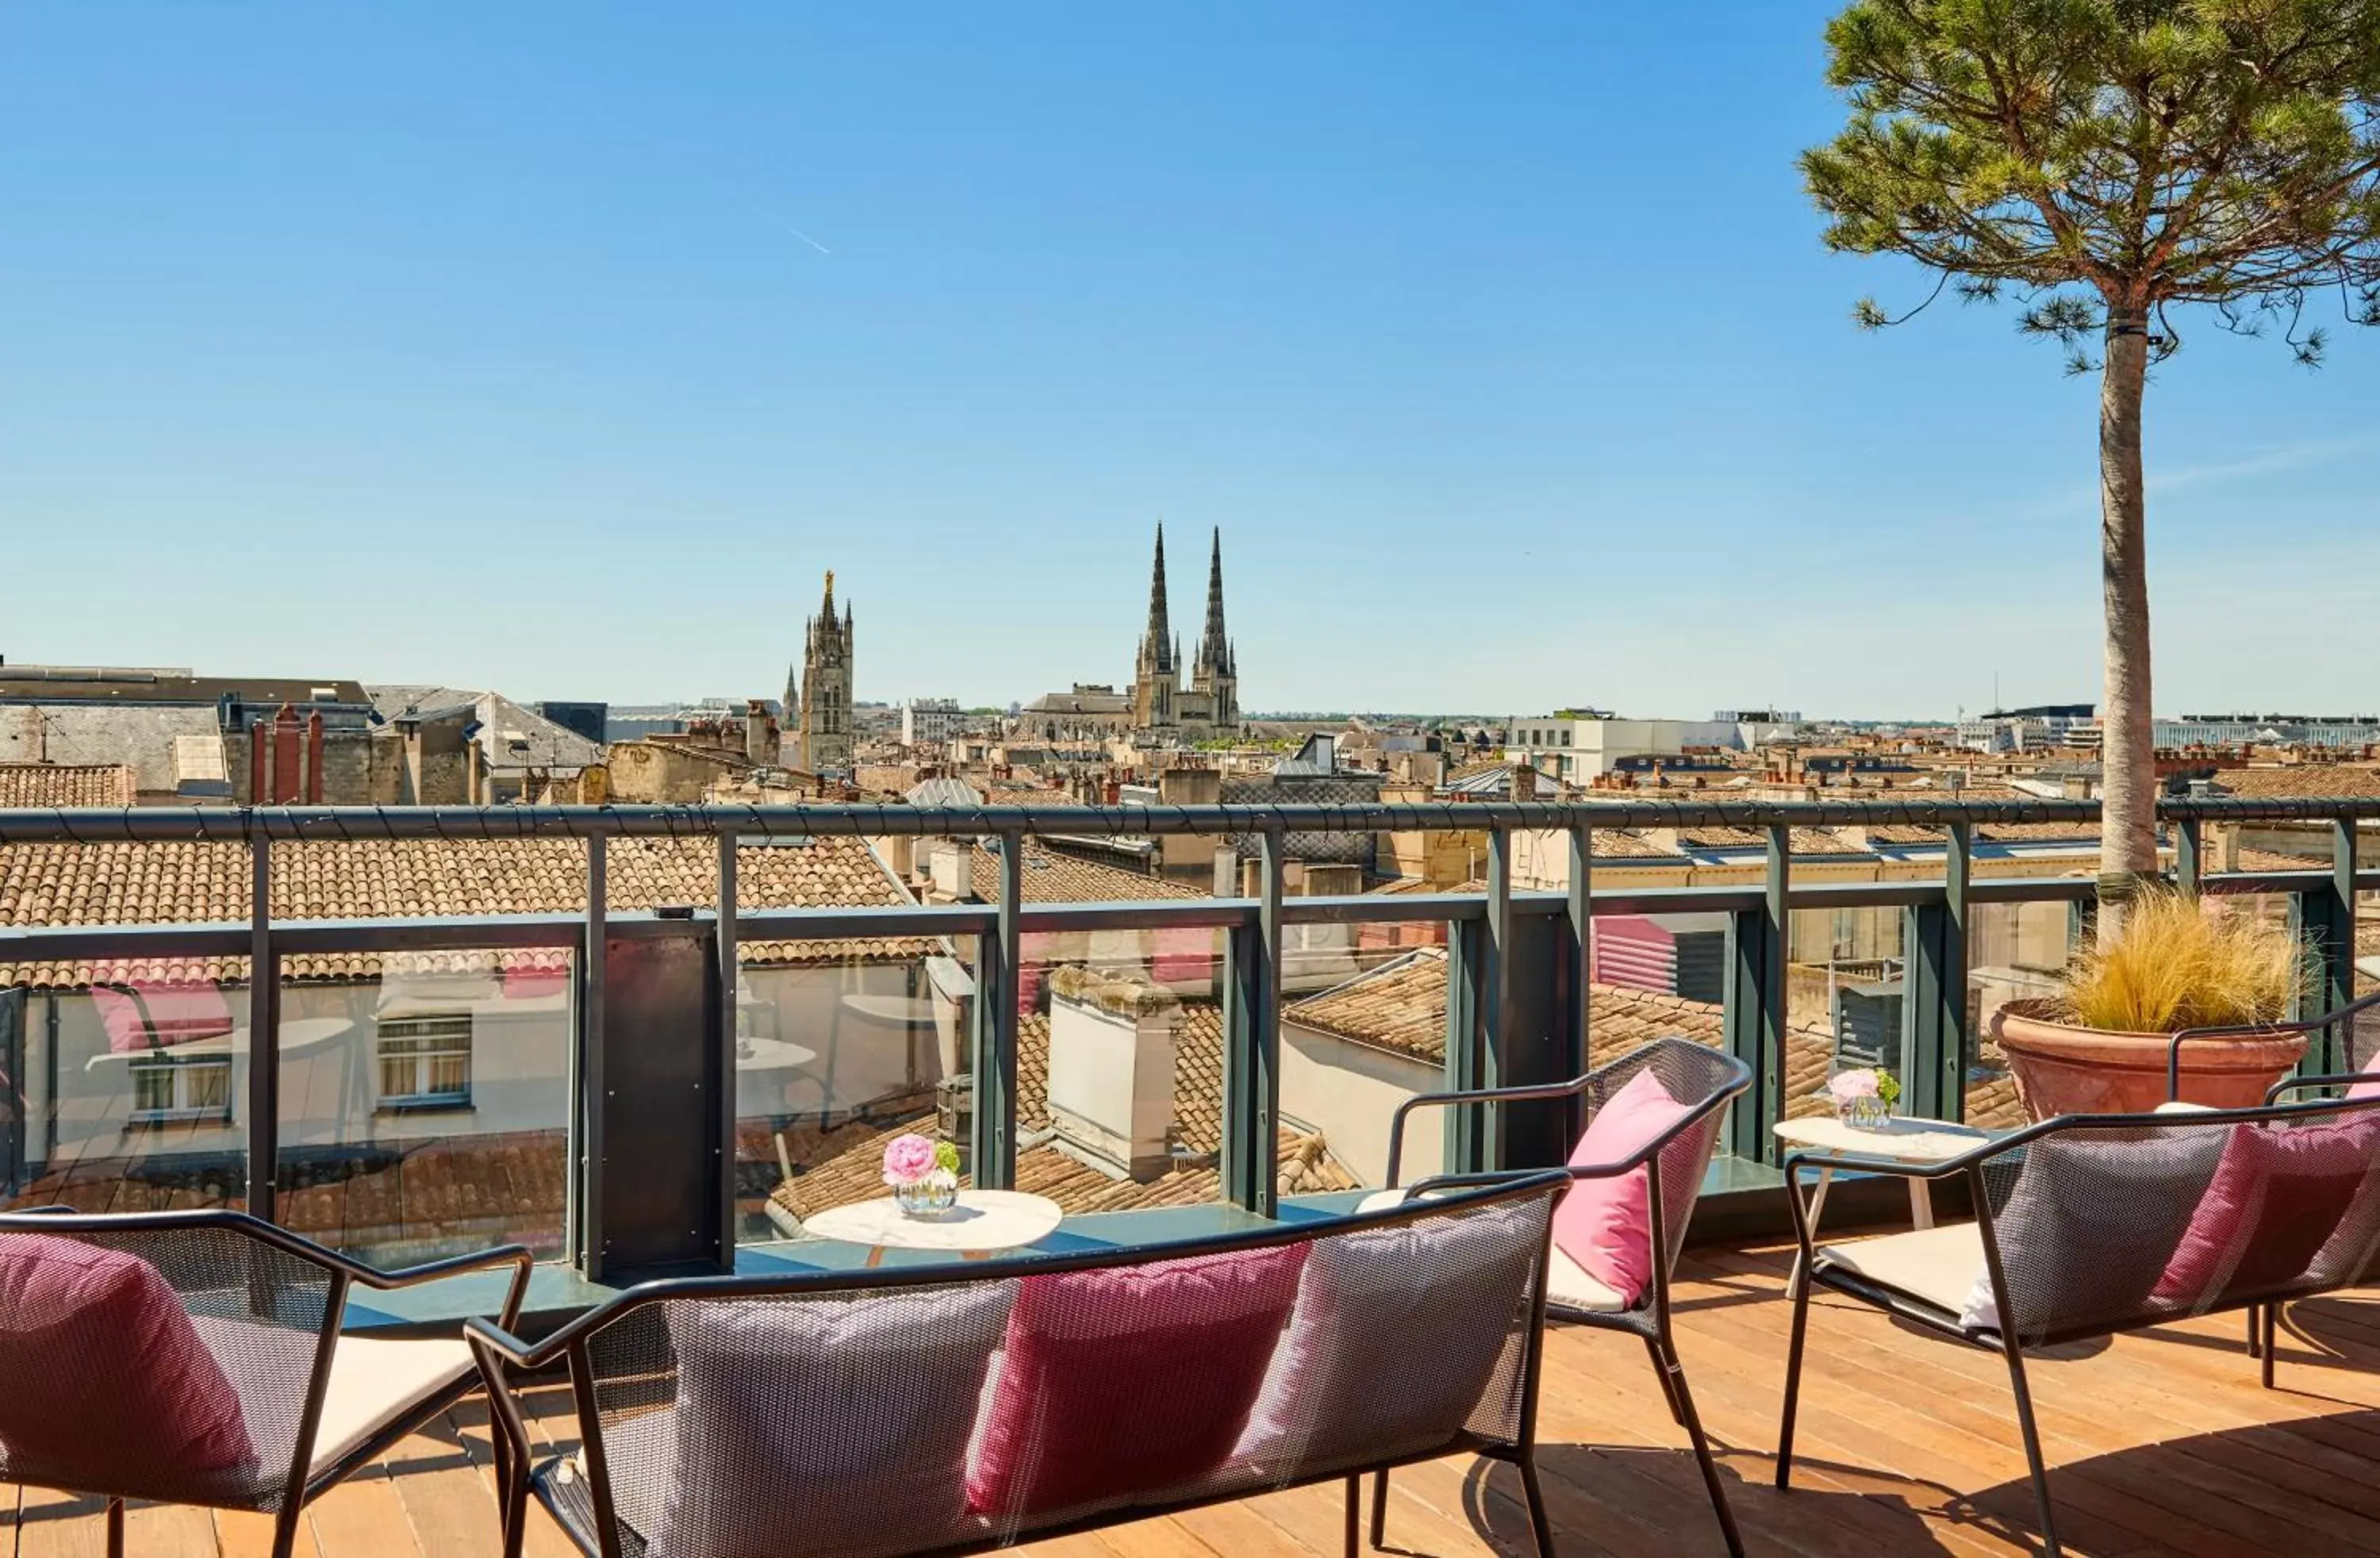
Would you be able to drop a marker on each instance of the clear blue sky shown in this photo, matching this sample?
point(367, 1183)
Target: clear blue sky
point(559, 348)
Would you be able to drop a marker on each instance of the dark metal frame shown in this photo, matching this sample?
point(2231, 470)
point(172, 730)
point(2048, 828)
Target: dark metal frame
point(2256, 1030)
point(1968, 1167)
point(505, 1360)
point(304, 1484)
point(1650, 1320)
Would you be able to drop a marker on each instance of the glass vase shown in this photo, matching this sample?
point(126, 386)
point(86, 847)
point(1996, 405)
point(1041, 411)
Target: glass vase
point(929, 1197)
point(1863, 1114)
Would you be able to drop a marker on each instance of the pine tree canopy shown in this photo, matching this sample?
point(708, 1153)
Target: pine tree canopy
point(2098, 157)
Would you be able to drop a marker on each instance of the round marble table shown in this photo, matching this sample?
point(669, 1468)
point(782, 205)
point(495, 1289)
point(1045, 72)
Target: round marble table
point(983, 1223)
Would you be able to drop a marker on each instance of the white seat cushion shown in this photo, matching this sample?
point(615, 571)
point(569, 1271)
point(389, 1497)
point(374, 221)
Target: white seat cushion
point(376, 1381)
point(1935, 1266)
point(1570, 1285)
point(2182, 1106)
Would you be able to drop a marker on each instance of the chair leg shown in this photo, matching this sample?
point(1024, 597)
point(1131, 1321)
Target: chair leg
point(2255, 1348)
point(284, 1528)
point(1792, 1386)
point(1669, 1392)
point(2270, 1326)
point(1542, 1527)
point(2033, 1452)
point(1381, 1509)
point(1676, 1374)
point(115, 1528)
point(1354, 1515)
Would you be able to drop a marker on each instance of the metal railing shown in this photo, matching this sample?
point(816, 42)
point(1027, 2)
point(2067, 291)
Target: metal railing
point(1517, 1009)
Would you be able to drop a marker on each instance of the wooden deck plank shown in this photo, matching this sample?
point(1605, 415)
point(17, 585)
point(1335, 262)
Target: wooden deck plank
point(2160, 1443)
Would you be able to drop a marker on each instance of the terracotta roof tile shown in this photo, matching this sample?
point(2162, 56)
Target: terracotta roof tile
point(188, 882)
point(1052, 878)
point(2310, 781)
point(44, 783)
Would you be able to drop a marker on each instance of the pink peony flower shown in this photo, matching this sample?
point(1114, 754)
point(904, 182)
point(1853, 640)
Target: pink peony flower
point(907, 1160)
point(1849, 1085)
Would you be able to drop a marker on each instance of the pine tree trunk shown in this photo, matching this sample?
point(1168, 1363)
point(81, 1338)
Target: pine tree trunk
point(2128, 822)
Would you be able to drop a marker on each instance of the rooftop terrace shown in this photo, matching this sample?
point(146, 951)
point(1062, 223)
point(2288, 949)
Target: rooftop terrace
point(450, 985)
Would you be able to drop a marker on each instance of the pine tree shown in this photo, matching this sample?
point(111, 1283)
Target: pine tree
point(2107, 164)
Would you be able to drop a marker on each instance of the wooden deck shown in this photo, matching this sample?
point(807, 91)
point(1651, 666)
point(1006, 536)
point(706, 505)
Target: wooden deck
point(2161, 1443)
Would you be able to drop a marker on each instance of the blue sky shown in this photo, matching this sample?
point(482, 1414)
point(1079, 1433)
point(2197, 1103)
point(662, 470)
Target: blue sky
point(559, 348)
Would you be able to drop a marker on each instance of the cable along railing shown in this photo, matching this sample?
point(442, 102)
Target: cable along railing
point(653, 1031)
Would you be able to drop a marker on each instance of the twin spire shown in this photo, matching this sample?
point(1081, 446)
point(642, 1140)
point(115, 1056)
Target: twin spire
point(1161, 649)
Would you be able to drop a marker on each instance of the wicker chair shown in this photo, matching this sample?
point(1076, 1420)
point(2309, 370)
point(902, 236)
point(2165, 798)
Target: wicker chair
point(1707, 1080)
point(956, 1408)
point(303, 1403)
point(2090, 1225)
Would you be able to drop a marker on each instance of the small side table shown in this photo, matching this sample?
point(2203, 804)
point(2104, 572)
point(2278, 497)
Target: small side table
point(1902, 1140)
point(983, 1223)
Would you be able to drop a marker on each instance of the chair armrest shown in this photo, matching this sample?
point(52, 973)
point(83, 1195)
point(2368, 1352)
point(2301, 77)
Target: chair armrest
point(515, 1256)
point(1545, 1091)
point(2291, 1084)
point(499, 1340)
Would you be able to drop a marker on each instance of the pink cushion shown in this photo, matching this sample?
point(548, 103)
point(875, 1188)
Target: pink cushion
point(2370, 1086)
point(144, 1016)
point(149, 1411)
point(1607, 1224)
point(1134, 1379)
point(2277, 1196)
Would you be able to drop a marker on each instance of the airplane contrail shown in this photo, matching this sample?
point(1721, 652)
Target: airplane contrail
point(799, 233)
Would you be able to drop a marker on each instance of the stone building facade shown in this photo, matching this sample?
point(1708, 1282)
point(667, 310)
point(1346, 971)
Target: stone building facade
point(824, 697)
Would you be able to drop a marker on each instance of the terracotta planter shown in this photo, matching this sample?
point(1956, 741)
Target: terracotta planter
point(2061, 1069)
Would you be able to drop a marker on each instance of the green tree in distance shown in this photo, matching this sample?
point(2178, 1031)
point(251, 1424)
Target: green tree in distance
point(2106, 163)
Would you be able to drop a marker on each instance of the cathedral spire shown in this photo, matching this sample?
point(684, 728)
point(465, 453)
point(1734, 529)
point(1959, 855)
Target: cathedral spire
point(1215, 643)
point(1157, 644)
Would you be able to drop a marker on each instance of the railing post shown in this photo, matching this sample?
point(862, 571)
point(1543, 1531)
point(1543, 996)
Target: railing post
point(1580, 921)
point(2188, 855)
point(993, 1152)
point(2324, 915)
point(583, 1187)
point(1935, 1041)
point(1756, 1006)
point(263, 1030)
point(1252, 1042)
point(729, 975)
point(1496, 1026)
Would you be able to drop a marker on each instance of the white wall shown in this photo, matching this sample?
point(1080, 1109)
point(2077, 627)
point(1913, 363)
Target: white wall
point(1350, 1091)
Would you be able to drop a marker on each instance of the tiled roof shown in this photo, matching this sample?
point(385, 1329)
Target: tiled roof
point(847, 1165)
point(183, 882)
point(1804, 841)
point(44, 783)
point(2302, 781)
point(1051, 877)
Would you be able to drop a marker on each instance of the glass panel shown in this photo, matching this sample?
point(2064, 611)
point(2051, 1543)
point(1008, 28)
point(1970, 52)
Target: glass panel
point(425, 1100)
point(1363, 1028)
point(1845, 988)
point(840, 1046)
point(2015, 952)
point(1120, 1064)
point(126, 1084)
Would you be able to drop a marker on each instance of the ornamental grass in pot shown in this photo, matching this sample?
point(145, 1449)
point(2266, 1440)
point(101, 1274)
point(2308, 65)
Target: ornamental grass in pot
point(2099, 1046)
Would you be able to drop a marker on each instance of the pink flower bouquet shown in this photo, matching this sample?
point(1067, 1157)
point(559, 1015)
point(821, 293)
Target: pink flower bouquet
point(924, 1175)
point(907, 1160)
point(1863, 1098)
